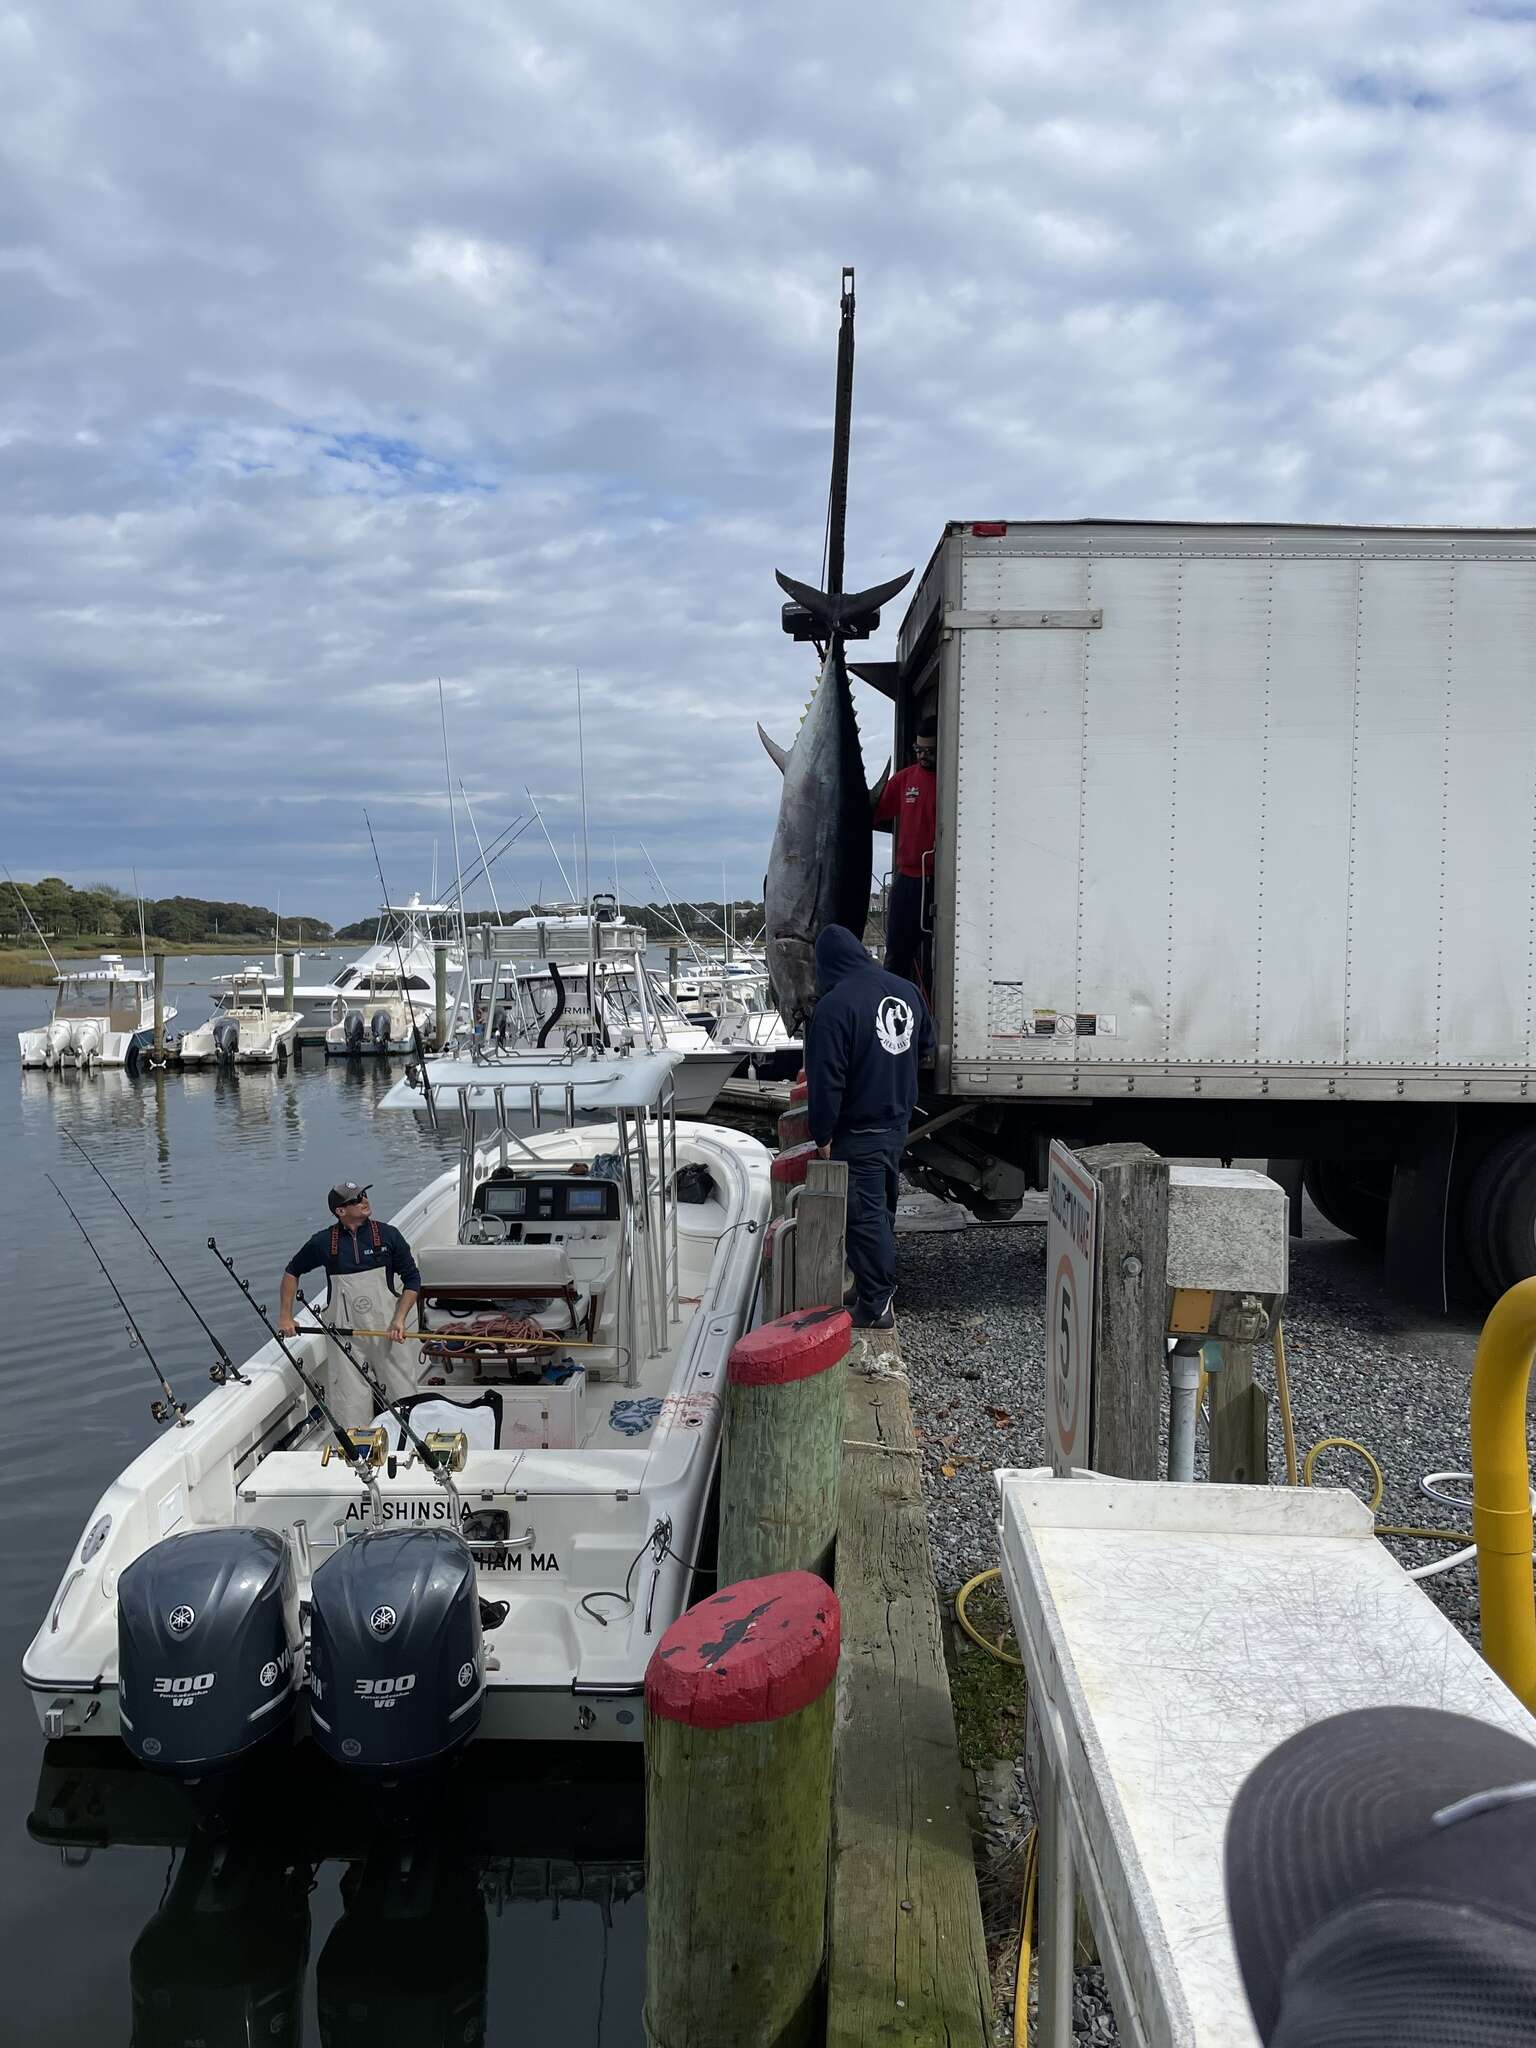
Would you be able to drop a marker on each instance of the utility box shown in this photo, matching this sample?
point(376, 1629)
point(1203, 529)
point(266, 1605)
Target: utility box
point(1227, 1250)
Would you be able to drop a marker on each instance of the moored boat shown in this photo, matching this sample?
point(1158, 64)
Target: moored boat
point(103, 1016)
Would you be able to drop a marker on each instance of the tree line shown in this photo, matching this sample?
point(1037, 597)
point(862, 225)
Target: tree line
point(701, 921)
point(104, 912)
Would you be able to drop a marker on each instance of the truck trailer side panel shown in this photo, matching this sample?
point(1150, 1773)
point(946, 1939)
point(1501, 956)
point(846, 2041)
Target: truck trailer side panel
point(1235, 810)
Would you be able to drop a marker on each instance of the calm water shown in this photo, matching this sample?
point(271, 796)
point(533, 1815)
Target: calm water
point(524, 1911)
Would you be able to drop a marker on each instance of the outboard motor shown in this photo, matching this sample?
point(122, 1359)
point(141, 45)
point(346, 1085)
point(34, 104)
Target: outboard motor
point(396, 1669)
point(208, 1642)
point(352, 1030)
point(58, 1043)
point(381, 1028)
point(222, 1961)
point(226, 1038)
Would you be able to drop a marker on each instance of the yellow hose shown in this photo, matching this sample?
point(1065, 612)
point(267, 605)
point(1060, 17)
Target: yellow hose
point(994, 1649)
point(1501, 1489)
point(1283, 1383)
point(1346, 1443)
point(1026, 1940)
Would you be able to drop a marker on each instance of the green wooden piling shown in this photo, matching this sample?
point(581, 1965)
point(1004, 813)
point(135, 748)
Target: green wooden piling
point(738, 1760)
point(783, 1455)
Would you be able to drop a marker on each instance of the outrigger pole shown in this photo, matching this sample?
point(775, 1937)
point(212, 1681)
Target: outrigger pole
point(226, 1369)
point(160, 1410)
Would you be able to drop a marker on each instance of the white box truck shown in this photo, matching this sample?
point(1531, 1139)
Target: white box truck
point(1236, 854)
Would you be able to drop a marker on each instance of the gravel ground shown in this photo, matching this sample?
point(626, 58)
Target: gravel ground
point(970, 1310)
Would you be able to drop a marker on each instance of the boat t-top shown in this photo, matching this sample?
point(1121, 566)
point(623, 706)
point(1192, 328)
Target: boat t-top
point(103, 1016)
point(404, 943)
point(500, 1547)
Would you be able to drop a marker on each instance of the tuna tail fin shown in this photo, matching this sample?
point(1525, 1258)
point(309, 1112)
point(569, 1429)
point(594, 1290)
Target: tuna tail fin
point(853, 613)
point(776, 754)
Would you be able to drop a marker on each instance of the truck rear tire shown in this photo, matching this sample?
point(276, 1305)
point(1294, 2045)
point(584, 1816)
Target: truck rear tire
point(1499, 1215)
point(1352, 1194)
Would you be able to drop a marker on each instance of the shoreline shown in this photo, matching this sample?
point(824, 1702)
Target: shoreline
point(25, 967)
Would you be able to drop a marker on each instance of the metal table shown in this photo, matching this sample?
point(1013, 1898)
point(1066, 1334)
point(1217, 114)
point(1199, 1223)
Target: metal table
point(1171, 1636)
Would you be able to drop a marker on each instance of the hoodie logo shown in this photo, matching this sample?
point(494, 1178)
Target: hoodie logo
point(894, 1024)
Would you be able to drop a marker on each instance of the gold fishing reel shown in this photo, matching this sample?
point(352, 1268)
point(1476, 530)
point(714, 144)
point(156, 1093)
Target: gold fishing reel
point(446, 1449)
point(369, 1447)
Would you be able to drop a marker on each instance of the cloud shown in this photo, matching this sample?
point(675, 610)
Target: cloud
point(349, 347)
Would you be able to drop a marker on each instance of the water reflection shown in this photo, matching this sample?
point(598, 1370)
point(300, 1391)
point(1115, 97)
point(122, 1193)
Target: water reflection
point(524, 1861)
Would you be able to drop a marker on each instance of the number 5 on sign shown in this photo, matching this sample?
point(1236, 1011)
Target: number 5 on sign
point(1070, 1263)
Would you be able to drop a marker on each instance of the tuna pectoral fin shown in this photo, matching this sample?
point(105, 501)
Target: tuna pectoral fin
point(776, 753)
point(879, 789)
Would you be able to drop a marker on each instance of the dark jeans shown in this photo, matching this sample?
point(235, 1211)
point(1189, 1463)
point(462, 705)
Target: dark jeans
point(874, 1162)
point(906, 943)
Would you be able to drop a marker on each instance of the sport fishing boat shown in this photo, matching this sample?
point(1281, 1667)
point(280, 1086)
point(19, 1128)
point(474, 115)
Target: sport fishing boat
point(103, 1016)
point(501, 1547)
point(381, 1012)
point(403, 945)
point(245, 1029)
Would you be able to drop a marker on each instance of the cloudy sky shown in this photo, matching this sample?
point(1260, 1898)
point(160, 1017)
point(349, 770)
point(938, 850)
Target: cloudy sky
point(349, 344)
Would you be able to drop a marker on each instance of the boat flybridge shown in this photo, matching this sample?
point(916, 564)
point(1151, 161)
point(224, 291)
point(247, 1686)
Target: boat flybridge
point(103, 1016)
point(246, 1029)
point(565, 978)
point(500, 1549)
point(403, 944)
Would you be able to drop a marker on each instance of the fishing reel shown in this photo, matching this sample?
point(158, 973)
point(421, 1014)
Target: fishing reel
point(169, 1411)
point(369, 1447)
point(446, 1449)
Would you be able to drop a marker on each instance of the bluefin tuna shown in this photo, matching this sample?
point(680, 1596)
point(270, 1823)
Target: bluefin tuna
point(820, 867)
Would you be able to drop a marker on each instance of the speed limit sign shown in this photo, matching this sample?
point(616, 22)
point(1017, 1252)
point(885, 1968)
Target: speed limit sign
point(1070, 1244)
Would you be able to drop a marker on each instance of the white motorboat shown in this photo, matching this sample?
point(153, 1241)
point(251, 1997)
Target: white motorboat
point(580, 1293)
point(103, 1016)
point(563, 978)
point(245, 1029)
point(403, 945)
point(380, 1013)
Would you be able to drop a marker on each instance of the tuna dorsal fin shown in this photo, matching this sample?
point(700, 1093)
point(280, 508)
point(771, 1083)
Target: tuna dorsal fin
point(776, 753)
point(879, 789)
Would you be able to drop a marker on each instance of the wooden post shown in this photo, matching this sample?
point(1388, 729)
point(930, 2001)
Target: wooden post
point(739, 1700)
point(794, 1127)
point(1239, 1420)
point(672, 970)
point(159, 986)
point(1130, 1309)
point(440, 1002)
point(783, 1456)
point(786, 1172)
point(288, 982)
point(821, 1234)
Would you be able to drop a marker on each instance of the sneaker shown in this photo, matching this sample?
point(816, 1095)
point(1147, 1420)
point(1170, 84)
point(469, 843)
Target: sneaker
point(851, 1295)
point(882, 1318)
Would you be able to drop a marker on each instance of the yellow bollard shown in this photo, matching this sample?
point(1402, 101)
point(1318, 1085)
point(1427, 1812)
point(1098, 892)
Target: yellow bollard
point(1501, 1489)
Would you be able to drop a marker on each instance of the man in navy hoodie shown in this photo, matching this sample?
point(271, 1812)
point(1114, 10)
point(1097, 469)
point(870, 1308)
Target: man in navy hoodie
point(868, 1035)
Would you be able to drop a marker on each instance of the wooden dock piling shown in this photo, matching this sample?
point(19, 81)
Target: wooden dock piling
point(440, 991)
point(738, 1763)
point(783, 1455)
point(158, 973)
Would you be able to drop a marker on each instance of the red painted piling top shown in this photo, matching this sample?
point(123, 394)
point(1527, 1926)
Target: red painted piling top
point(752, 1652)
point(794, 1125)
point(790, 1165)
point(794, 1347)
point(801, 1090)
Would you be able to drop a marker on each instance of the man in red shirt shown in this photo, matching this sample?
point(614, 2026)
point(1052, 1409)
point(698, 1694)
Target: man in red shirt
point(909, 803)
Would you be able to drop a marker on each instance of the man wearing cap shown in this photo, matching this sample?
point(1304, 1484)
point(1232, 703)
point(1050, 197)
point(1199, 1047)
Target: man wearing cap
point(373, 1282)
point(1381, 1882)
point(909, 804)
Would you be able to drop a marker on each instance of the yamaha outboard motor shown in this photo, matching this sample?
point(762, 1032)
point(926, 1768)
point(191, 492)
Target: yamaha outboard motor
point(222, 1961)
point(208, 1642)
point(407, 1960)
point(226, 1038)
point(380, 1027)
point(396, 1670)
point(352, 1030)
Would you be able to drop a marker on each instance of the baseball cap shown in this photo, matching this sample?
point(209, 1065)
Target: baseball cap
point(1381, 1883)
point(346, 1191)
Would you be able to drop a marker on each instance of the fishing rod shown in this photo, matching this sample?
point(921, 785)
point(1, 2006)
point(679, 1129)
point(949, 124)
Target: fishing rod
point(31, 920)
point(405, 995)
point(676, 917)
point(355, 1459)
point(226, 1369)
point(375, 1386)
point(559, 863)
point(479, 869)
point(161, 1410)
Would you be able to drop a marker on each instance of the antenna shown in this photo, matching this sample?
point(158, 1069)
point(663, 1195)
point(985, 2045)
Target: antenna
point(31, 920)
point(564, 877)
point(442, 712)
point(143, 942)
point(581, 758)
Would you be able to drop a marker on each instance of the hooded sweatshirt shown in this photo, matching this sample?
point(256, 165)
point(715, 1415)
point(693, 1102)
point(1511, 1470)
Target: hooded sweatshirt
point(867, 1035)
